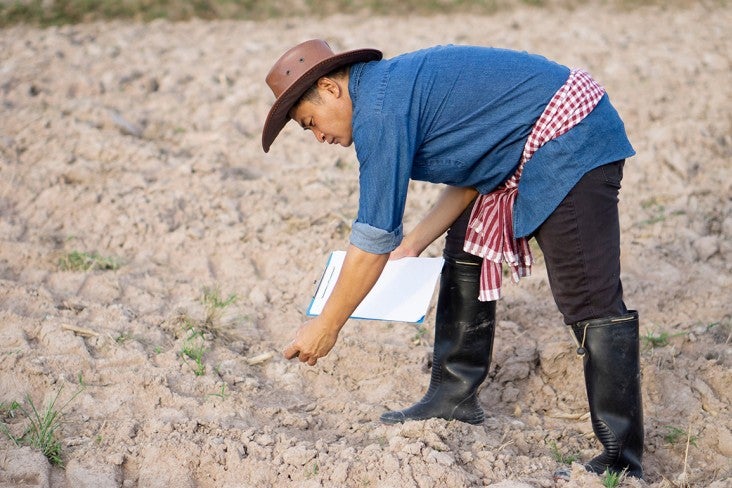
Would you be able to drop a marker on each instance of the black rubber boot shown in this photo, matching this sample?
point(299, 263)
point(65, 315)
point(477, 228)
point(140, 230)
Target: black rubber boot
point(464, 330)
point(612, 377)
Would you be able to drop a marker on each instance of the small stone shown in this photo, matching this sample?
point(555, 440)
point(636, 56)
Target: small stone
point(724, 441)
point(414, 448)
point(706, 247)
point(117, 459)
point(517, 411)
point(257, 296)
point(298, 455)
point(264, 440)
point(442, 458)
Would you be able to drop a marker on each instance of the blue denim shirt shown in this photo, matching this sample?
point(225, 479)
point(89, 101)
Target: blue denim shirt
point(460, 116)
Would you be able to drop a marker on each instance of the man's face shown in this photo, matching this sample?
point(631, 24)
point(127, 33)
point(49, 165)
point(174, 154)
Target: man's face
point(330, 118)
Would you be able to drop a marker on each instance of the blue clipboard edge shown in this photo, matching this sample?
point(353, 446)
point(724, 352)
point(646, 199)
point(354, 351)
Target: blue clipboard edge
point(317, 288)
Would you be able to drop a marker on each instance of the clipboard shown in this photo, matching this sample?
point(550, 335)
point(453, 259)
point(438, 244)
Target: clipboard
point(402, 293)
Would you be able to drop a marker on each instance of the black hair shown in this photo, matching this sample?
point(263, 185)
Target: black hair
point(312, 95)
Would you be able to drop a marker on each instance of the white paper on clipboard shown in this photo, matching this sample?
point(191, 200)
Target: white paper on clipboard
point(402, 293)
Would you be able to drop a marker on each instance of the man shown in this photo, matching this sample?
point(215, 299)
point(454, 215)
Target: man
point(542, 147)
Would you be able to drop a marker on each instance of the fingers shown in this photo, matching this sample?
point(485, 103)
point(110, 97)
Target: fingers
point(292, 351)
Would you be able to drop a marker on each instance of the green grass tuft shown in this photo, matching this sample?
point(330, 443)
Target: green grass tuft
point(43, 425)
point(559, 456)
point(194, 347)
point(85, 261)
point(214, 303)
point(659, 339)
point(612, 479)
point(675, 434)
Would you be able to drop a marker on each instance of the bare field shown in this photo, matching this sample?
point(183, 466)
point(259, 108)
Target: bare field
point(134, 149)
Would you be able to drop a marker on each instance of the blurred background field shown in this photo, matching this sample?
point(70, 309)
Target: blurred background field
point(59, 12)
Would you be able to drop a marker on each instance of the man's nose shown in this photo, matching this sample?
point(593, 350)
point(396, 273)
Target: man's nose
point(320, 136)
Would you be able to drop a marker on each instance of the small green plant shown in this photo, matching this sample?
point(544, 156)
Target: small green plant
point(123, 337)
point(711, 326)
point(559, 456)
point(42, 428)
point(659, 339)
point(611, 479)
point(214, 303)
point(313, 471)
point(9, 410)
point(656, 211)
point(419, 334)
point(194, 347)
point(675, 435)
point(212, 298)
point(656, 339)
point(84, 261)
point(221, 393)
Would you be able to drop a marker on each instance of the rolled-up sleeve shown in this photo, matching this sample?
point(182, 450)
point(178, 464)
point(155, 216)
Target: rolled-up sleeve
point(374, 240)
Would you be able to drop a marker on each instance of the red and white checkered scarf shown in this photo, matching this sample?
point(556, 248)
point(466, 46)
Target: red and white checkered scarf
point(490, 231)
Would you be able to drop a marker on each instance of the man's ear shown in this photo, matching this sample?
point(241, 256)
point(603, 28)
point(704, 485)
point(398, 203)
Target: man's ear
point(329, 85)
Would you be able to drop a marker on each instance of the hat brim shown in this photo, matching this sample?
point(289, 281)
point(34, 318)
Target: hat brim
point(278, 114)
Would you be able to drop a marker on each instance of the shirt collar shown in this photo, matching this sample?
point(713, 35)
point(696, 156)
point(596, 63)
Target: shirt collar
point(354, 80)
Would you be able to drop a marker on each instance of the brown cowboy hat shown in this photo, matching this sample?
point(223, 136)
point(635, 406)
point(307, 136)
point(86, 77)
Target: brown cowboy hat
point(296, 71)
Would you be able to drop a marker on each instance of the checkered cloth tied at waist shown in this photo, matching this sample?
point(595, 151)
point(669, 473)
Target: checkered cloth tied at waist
point(490, 231)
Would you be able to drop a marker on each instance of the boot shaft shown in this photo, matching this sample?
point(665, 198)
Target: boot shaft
point(464, 326)
point(612, 356)
point(612, 378)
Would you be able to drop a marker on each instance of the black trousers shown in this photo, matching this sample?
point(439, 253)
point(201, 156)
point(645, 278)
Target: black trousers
point(581, 245)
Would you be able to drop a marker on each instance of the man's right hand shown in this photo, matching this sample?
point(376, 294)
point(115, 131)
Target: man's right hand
point(314, 340)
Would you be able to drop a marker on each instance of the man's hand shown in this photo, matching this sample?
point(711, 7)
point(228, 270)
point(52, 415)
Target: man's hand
point(405, 250)
point(314, 339)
